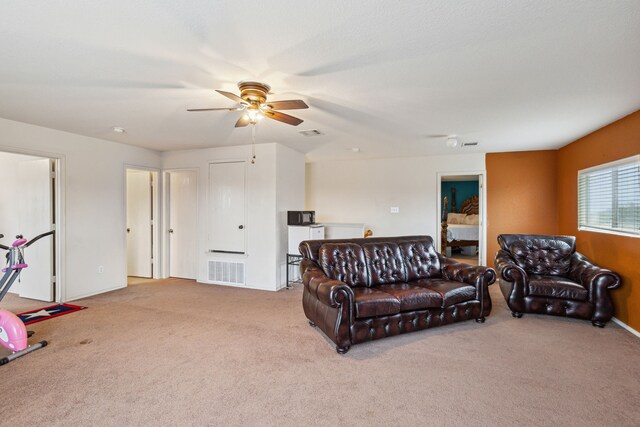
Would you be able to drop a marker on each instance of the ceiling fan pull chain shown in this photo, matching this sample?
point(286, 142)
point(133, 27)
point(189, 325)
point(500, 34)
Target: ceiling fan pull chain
point(253, 143)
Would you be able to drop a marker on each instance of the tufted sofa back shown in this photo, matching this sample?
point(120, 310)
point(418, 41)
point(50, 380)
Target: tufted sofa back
point(540, 254)
point(374, 261)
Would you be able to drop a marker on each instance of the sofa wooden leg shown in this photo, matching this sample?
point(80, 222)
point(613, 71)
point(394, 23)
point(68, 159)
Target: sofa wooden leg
point(342, 350)
point(516, 314)
point(311, 323)
point(598, 324)
point(481, 319)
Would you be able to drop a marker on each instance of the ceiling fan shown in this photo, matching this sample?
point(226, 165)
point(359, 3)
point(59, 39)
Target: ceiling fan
point(253, 102)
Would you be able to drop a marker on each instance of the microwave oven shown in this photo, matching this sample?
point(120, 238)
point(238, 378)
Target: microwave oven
point(301, 217)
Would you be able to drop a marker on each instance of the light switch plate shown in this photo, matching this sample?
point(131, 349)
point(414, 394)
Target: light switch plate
point(395, 209)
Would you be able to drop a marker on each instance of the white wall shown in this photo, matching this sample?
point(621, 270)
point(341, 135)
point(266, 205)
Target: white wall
point(93, 200)
point(263, 226)
point(363, 191)
point(289, 197)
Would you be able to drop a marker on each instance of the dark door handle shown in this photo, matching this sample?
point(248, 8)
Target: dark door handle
point(171, 230)
point(128, 230)
point(241, 227)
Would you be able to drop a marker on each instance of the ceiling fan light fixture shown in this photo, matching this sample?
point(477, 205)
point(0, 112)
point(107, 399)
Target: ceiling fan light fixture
point(254, 115)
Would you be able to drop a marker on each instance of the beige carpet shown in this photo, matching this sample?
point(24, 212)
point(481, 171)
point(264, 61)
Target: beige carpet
point(174, 352)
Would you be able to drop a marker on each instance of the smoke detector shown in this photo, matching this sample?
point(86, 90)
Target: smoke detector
point(452, 141)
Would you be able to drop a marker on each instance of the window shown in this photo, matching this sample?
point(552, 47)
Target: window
point(609, 197)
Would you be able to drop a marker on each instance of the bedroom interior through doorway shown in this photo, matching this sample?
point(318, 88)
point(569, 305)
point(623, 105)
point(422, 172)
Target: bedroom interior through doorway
point(461, 217)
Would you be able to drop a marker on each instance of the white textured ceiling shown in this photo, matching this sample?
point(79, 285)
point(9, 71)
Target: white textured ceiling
point(378, 75)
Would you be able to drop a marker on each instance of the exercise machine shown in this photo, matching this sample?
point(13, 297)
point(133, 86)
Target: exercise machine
point(13, 333)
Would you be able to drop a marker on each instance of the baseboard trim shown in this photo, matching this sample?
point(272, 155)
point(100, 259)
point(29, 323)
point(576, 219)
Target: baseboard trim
point(77, 297)
point(625, 326)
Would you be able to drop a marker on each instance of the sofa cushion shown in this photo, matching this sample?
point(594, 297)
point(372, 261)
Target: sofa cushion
point(544, 255)
point(412, 297)
point(344, 262)
point(450, 291)
point(556, 287)
point(384, 262)
point(420, 259)
point(371, 302)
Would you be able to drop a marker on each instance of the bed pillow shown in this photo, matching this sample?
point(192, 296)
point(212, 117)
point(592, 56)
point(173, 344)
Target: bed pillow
point(472, 220)
point(455, 218)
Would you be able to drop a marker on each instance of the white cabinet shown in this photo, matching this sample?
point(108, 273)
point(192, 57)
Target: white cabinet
point(298, 233)
point(344, 230)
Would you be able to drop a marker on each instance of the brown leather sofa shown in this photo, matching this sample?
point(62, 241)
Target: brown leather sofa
point(358, 290)
point(545, 274)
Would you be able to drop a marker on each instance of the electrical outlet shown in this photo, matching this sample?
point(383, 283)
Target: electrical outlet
point(100, 269)
point(395, 209)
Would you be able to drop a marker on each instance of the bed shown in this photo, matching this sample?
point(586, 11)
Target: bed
point(461, 228)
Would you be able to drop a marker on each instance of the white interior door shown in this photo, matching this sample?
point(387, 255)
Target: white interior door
point(139, 223)
point(35, 209)
point(227, 207)
point(183, 201)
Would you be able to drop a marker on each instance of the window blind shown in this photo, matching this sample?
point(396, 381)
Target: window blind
point(609, 197)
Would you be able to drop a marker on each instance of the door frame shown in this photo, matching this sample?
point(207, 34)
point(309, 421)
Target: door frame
point(482, 196)
point(157, 219)
point(59, 212)
point(166, 261)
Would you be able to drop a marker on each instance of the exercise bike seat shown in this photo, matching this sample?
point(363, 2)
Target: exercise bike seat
point(19, 242)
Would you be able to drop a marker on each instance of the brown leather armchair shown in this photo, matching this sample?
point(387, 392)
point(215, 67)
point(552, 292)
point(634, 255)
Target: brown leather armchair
point(544, 274)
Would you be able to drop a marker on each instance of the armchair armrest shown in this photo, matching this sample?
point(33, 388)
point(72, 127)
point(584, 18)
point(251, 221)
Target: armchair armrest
point(508, 269)
point(594, 278)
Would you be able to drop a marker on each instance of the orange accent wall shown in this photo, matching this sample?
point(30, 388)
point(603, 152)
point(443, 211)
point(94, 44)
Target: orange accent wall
point(621, 254)
point(521, 195)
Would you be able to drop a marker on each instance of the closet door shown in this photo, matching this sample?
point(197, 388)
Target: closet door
point(35, 210)
point(227, 207)
point(139, 223)
point(183, 232)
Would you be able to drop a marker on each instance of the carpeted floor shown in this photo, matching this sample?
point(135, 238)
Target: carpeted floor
point(174, 352)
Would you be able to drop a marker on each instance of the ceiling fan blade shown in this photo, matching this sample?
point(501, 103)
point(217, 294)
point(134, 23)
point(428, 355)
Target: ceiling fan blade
point(282, 117)
point(242, 121)
point(214, 109)
point(232, 96)
point(294, 104)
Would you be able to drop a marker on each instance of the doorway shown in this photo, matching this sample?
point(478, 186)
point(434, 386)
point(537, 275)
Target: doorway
point(141, 201)
point(461, 217)
point(32, 192)
point(182, 218)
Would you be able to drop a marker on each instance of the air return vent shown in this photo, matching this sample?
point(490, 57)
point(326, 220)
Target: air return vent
point(469, 144)
point(310, 132)
point(227, 272)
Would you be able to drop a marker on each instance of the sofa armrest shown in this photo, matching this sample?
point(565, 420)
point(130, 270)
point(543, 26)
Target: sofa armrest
point(328, 291)
point(474, 275)
point(307, 265)
point(508, 269)
point(477, 276)
point(328, 304)
point(594, 278)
